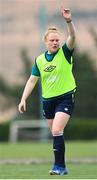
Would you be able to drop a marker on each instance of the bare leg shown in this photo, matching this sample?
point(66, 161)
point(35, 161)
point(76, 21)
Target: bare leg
point(59, 122)
point(50, 122)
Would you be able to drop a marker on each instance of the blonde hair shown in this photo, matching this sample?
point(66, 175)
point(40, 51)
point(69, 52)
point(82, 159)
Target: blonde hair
point(50, 30)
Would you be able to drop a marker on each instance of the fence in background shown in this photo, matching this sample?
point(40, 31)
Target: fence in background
point(21, 128)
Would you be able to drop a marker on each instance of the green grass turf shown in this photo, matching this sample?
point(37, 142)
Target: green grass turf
point(74, 149)
point(44, 150)
point(40, 171)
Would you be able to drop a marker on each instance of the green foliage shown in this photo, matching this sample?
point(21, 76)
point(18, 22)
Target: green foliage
point(86, 77)
point(10, 91)
point(4, 132)
point(26, 64)
point(14, 93)
point(83, 129)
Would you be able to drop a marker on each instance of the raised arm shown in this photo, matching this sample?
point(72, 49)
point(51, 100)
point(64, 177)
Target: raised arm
point(71, 29)
point(27, 91)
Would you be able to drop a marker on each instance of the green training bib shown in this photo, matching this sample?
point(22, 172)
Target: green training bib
point(56, 75)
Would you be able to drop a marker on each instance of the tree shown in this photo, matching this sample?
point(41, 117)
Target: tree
point(86, 77)
point(14, 93)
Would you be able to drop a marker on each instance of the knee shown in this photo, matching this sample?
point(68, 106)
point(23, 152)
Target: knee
point(56, 131)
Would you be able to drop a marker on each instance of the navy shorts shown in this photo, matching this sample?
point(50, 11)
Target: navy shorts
point(64, 103)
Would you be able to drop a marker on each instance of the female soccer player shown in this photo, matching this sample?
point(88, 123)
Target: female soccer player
point(54, 67)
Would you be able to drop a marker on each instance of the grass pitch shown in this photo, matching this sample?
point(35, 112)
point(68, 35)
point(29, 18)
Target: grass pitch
point(40, 171)
point(76, 153)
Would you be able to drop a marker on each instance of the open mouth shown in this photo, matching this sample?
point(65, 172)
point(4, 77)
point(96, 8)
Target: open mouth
point(55, 47)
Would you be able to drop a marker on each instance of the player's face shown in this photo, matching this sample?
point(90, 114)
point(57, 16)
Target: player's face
point(52, 42)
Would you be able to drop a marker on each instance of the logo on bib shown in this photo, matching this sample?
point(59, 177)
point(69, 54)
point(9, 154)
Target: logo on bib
point(50, 68)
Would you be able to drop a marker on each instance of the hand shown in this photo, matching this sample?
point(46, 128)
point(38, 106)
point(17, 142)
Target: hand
point(22, 106)
point(66, 13)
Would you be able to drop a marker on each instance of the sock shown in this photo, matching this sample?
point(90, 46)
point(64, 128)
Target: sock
point(59, 150)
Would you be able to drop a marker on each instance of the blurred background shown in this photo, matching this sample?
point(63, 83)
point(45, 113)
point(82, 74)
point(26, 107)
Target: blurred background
point(22, 25)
